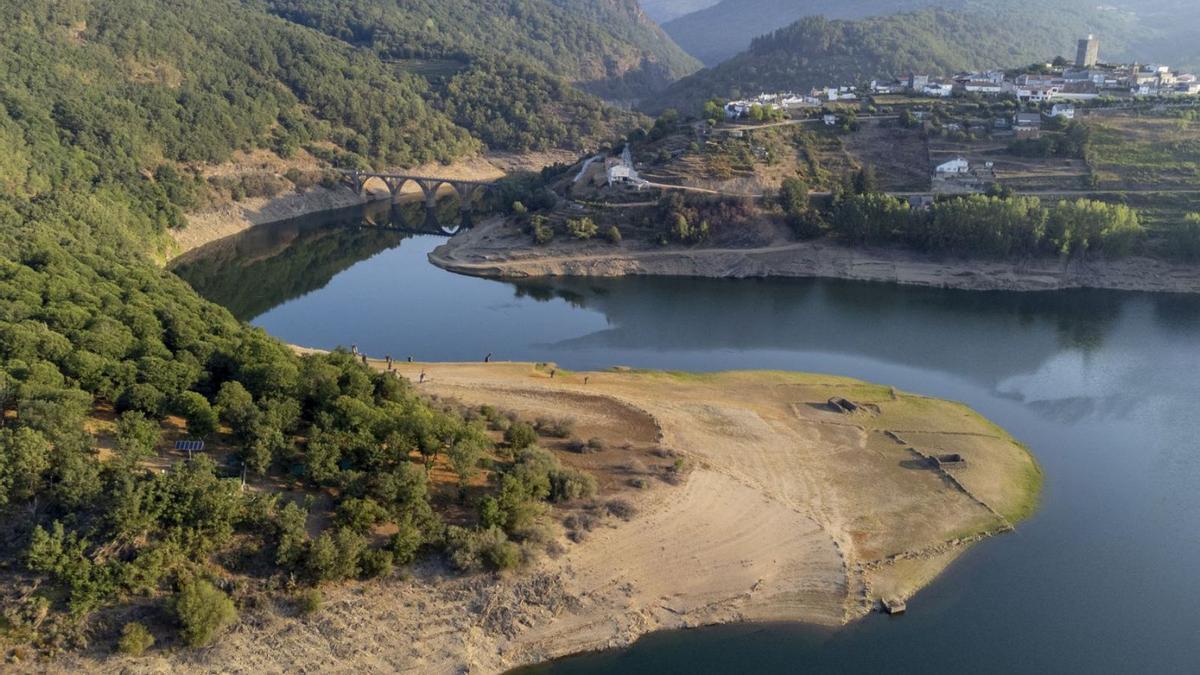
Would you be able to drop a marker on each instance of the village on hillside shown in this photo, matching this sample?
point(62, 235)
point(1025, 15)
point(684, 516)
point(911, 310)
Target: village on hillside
point(1086, 79)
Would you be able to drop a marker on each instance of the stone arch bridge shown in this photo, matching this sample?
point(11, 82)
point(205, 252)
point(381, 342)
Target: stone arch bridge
point(429, 185)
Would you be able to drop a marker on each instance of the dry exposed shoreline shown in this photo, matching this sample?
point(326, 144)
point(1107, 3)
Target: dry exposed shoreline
point(496, 249)
point(792, 511)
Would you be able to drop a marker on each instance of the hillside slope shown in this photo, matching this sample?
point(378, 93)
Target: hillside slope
point(1153, 29)
point(608, 47)
point(720, 31)
point(816, 51)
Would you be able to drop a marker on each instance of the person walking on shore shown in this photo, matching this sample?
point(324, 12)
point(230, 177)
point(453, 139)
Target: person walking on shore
point(422, 380)
point(488, 358)
point(389, 362)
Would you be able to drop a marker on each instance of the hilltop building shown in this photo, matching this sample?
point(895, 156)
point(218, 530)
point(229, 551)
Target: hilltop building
point(1088, 53)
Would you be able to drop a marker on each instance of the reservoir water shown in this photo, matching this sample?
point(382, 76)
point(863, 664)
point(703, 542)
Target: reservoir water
point(1103, 387)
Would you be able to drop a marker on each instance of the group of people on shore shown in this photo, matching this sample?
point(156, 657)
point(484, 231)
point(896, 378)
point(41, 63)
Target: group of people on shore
point(421, 378)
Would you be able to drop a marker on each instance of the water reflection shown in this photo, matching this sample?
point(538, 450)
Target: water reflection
point(265, 266)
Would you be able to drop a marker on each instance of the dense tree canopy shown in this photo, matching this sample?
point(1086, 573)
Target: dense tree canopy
point(105, 110)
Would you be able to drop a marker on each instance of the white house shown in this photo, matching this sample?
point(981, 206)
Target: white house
point(954, 167)
point(622, 171)
point(938, 90)
point(830, 120)
point(1063, 110)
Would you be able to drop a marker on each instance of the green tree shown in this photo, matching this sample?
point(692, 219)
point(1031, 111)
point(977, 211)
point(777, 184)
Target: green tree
point(24, 462)
point(135, 639)
point(520, 435)
point(200, 416)
point(203, 611)
point(137, 437)
point(582, 228)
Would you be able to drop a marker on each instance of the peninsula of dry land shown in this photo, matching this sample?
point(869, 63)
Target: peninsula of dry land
point(746, 496)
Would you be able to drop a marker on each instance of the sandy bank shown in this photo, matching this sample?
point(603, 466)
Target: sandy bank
point(792, 511)
point(495, 249)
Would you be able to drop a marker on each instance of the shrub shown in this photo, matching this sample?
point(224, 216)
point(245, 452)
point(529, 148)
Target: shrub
point(561, 428)
point(309, 602)
point(570, 484)
point(200, 416)
point(376, 563)
point(542, 232)
point(621, 509)
point(582, 228)
point(613, 234)
point(520, 436)
point(360, 514)
point(472, 550)
point(203, 612)
point(405, 543)
point(135, 639)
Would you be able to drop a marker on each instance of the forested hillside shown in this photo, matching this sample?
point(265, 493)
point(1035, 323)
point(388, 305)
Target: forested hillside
point(109, 112)
point(720, 31)
point(608, 47)
point(816, 51)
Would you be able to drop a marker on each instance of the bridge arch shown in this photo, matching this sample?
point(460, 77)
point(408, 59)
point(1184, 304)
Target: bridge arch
point(430, 186)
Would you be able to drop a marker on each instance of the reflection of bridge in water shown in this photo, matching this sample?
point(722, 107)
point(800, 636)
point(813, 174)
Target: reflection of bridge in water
point(430, 186)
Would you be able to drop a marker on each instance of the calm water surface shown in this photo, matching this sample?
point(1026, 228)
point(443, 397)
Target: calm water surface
point(1103, 387)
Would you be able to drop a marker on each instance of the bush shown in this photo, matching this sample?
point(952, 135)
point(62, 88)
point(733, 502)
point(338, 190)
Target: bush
point(520, 436)
point(309, 602)
point(582, 228)
point(405, 543)
point(560, 428)
point(621, 509)
point(570, 484)
point(135, 639)
point(613, 235)
point(376, 563)
point(200, 416)
point(360, 515)
point(542, 232)
point(203, 611)
point(472, 550)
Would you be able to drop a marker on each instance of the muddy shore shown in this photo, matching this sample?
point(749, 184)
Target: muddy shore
point(499, 250)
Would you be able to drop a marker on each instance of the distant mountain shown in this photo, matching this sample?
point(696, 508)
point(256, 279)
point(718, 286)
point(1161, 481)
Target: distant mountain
point(665, 10)
point(716, 33)
point(1160, 29)
point(816, 51)
point(608, 47)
